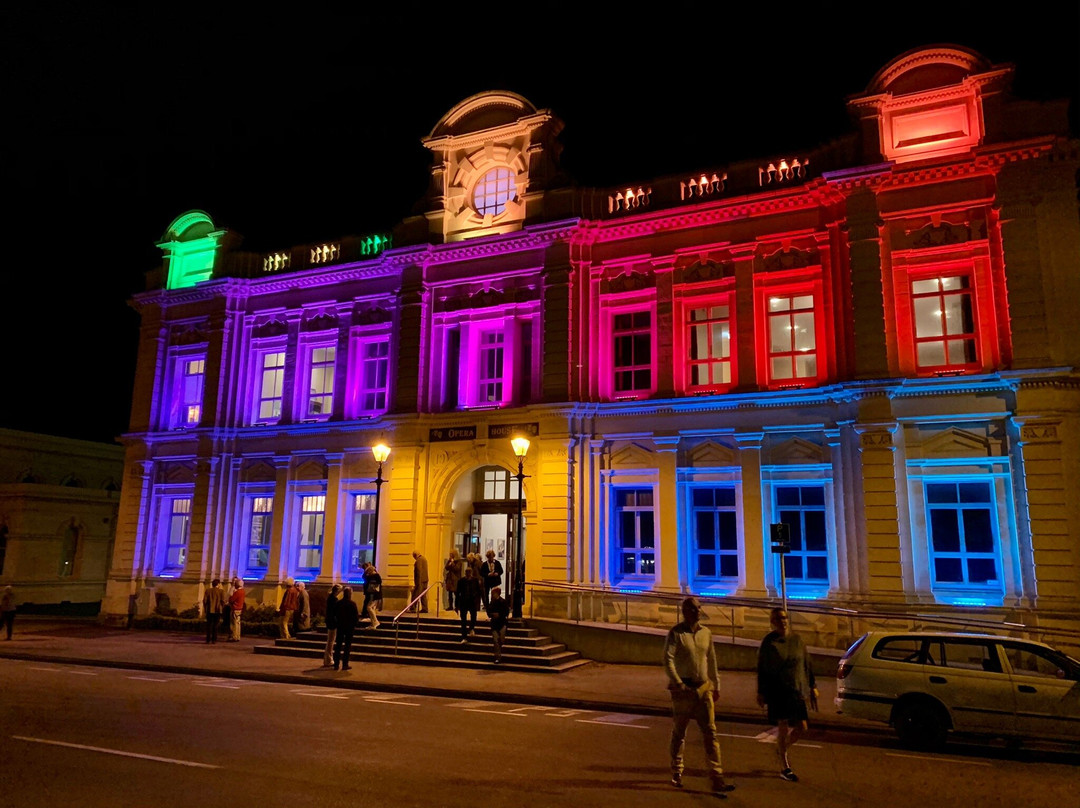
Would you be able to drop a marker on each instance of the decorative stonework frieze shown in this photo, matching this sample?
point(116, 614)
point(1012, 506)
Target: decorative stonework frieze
point(703, 185)
point(1037, 433)
point(783, 171)
point(630, 199)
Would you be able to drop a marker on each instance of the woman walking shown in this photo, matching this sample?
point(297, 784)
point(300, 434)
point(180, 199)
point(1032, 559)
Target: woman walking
point(372, 594)
point(451, 576)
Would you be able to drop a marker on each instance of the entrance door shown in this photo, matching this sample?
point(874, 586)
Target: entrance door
point(494, 530)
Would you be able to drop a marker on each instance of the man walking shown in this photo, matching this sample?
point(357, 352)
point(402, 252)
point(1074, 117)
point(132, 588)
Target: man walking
point(420, 580)
point(236, 602)
point(213, 601)
point(784, 682)
point(348, 615)
point(694, 682)
point(498, 611)
point(468, 603)
point(289, 601)
point(332, 602)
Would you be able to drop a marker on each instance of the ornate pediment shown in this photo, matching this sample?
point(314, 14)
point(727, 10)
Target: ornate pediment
point(311, 468)
point(955, 442)
point(789, 258)
point(270, 328)
point(321, 321)
point(703, 271)
point(711, 455)
point(627, 281)
point(940, 234)
point(632, 456)
point(797, 451)
point(189, 335)
point(177, 473)
point(371, 315)
point(259, 470)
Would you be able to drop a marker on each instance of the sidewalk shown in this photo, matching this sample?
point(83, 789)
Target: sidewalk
point(638, 689)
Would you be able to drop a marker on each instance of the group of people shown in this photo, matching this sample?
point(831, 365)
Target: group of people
point(224, 608)
point(785, 688)
point(294, 611)
point(487, 573)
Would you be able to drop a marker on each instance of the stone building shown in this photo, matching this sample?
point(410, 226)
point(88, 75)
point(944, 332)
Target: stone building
point(873, 342)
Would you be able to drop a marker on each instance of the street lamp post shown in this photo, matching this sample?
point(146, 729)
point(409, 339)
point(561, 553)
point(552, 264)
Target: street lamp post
point(381, 452)
point(521, 447)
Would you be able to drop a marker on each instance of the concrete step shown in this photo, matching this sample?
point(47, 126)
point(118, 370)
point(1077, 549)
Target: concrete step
point(509, 662)
point(373, 639)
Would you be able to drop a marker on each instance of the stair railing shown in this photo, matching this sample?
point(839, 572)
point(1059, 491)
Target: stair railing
point(397, 617)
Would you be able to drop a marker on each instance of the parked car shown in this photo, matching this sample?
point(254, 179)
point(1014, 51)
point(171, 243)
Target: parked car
point(928, 684)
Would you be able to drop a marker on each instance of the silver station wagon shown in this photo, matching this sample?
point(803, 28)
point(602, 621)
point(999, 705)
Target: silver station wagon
point(928, 684)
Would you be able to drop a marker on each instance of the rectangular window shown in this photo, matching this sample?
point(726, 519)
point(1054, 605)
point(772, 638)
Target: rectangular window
point(944, 324)
point(320, 401)
point(312, 519)
point(192, 395)
point(499, 484)
point(177, 528)
point(362, 534)
point(632, 352)
point(792, 338)
point(961, 522)
point(490, 376)
point(260, 519)
point(803, 509)
point(716, 539)
point(635, 532)
point(374, 375)
point(271, 384)
point(709, 346)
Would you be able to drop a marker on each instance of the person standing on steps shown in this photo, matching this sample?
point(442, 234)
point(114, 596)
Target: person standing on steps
point(236, 601)
point(694, 682)
point(420, 580)
point(332, 602)
point(348, 616)
point(451, 576)
point(212, 604)
point(490, 575)
point(498, 611)
point(468, 602)
point(289, 601)
point(785, 682)
point(372, 594)
point(303, 610)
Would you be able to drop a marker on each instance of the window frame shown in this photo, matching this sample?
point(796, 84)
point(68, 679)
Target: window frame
point(619, 550)
point(259, 353)
point(357, 403)
point(166, 515)
point(498, 188)
point(305, 393)
point(304, 525)
point(798, 532)
point(991, 508)
point(250, 500)
point(793, 284)
point(699, 581)
point(689, 305)
point(969, 293)
point(361, 520)
point(176, 415)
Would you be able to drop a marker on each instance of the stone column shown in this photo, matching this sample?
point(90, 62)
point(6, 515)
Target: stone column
point(756, 581)
point(670, 546)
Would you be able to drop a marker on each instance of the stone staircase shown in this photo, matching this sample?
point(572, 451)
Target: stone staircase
point(437, 641)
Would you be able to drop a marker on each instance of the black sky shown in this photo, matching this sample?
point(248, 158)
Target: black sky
point(307, 126)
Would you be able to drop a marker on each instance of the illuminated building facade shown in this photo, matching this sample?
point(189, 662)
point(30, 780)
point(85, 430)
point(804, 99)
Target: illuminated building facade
point(875, 342)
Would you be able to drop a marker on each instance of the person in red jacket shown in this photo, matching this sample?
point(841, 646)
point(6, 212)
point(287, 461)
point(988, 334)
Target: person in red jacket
point(236, 602)
point(289, 601)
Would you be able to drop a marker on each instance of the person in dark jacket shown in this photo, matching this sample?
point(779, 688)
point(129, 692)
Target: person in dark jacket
point(348, 615)
point(498, 611)
point(490, 575)
point(468, 602)
point(332, 602)
point(372, 594)
point(785, 682)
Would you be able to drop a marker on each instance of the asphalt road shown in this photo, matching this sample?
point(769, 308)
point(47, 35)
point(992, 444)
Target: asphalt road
point(88, 737)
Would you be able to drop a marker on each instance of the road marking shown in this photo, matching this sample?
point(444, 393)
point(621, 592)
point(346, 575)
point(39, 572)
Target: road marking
point(321, 695)
point(117, 752)
point(936, 759)
point(81, 673)
point(611, 723)
point(769, 736)
point(565, 713)
point(494, 712)
point(216, 684)
point(47, 670)
point(391, 701)
point(156, 678)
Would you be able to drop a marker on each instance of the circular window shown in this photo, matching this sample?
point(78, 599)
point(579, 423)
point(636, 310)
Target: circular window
point(494, 190)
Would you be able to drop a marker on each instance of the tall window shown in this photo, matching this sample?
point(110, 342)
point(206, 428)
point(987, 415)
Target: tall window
point(192, 386)
point(185, 393)
point(259, 524)
point(803, 509)
point(709, 346)
point(792, 338)
point(716, 536)
point(373, 375)
point(177, 531)
point(490, 376)
point(961, 521)
point(271, 386)
point(493, 191)
point(944, 324)
point(312, 522)
point(632, 356)
point(362, 533)
point(320, 400)
point(635, 533)
point(498, 484)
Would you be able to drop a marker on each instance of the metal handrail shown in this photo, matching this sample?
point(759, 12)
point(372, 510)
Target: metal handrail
point(874, 612)
point(397, 617)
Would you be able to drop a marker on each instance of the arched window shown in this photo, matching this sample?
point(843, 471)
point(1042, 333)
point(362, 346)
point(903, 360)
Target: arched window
point(493, 191)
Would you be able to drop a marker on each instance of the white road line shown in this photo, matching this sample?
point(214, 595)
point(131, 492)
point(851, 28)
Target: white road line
point(117, 752)
point(156, 678)
point(214, 684)
point(321, 695)
point(937, 759)
point(565, 713)
point(47, 670)
point(769, 736)
point(81, 673)
point(494, 712)
point(610, 723)
point(391, 701)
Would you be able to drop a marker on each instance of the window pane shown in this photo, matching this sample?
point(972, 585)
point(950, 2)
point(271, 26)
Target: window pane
point(812, 495)
point(779, 334)
point(927, 286)
point(729, 537)
point(930, 354)
point(815, 530)
point(729, 566)
point(806, 366)
point(978, 531)
point(781, 368)
point(629, 564)
point(648, 564)
point(793, 566)
point(702, 497)
point(941, 492)
point(706, 565)
point(787, 496)
point(646, 524)
point(804, 331)
point(948, 570)
point(705, 530)
point(627, 535)
point(945, 531)
point(817, 568)
point(982, 570)
point(928, 317)
point(957, 314)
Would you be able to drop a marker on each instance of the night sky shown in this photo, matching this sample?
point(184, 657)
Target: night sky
point(300, 127)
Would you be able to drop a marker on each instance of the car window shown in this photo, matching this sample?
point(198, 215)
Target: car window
point(963, 655)
point(899, 649)
point(1035, 661)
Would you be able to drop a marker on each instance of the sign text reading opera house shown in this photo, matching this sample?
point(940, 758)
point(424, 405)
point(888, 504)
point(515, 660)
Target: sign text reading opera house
point(875, 342)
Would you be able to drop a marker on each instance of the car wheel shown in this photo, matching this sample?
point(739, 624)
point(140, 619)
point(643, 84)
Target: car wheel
point(920, 725)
